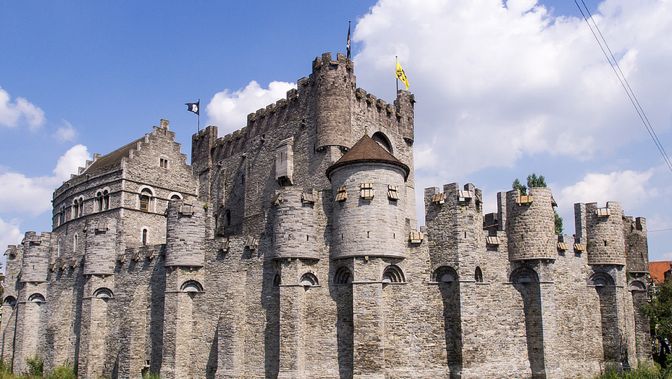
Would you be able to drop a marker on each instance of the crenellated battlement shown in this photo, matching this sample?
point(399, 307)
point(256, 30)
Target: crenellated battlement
point(601, 227)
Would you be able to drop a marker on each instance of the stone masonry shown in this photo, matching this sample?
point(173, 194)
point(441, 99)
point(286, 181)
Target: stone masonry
point(290, 249)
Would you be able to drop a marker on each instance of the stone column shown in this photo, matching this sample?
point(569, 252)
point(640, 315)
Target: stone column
point(367, 312)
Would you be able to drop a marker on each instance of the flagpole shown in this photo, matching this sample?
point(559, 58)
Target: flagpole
point(198, 116)
point(396, 62)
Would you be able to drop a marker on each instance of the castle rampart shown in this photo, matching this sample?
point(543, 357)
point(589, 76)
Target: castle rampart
point(289, 249)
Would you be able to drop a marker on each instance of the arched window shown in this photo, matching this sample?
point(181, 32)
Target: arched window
point(106, 200)
point(146, 196)
point(342, 276)
point(103, 293)
point(36, 298)
point(393, 274)
point(9, 300)
point(175, 196)
point(601, 279)
point(144, 236)
point(308, 280)
point(191, 286)
point(61, 217)
point(478, 275)
point(99, 201)
point(524, 275)
point(77, 207)
point(445, 274)
point(75, 242)
point(383, 141)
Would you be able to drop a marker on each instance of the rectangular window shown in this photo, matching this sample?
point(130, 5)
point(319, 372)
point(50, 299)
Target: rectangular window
point(342, 194)
point(366, 191)
point(163, 162)
point(392, 193)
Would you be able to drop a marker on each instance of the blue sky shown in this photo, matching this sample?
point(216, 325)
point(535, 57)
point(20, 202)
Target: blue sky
point(503, 90)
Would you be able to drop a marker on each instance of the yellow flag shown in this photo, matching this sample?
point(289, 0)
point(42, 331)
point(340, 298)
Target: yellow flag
point(401, 75)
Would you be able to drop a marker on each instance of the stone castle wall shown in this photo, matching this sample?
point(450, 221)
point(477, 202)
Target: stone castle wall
point(260, 269)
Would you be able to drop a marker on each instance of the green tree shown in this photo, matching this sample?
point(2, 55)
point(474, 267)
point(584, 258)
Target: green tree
point(659, 311)
point(538, 181)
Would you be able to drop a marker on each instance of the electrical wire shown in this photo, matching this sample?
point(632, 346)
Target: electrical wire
point(624, 81)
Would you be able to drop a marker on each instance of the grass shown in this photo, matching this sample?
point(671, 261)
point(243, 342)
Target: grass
point(645, 371)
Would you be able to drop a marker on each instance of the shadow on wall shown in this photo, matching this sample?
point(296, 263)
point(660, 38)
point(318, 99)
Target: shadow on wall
point(526, 281)
point(449, 286)
point(341, 292)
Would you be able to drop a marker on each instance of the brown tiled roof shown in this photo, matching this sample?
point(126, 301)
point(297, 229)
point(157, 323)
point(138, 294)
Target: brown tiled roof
point(366, 150)
point(657, 270)
point(111, 160)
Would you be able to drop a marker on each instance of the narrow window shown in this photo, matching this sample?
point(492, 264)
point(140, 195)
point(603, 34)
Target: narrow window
point(342, 194)
point(227, 216)
point(106, 200)
point(478, 275)
point(61, 217)
point(392, 193)
point(163, 163)
point(75, 241)
point(145, 200)
point(99, 201)
point(144, 237)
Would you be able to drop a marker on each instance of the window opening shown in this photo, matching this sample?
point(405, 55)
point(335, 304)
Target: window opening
point(366, 191)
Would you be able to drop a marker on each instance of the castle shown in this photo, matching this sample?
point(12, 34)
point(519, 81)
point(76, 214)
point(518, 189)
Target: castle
point(290, 249)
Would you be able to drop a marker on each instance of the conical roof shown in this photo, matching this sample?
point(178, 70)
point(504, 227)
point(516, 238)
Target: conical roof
point(366, 150)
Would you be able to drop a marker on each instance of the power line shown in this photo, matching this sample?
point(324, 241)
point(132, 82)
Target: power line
point(624, 82)
point(660, 230)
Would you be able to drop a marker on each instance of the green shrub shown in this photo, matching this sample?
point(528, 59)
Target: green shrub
point(644, 371)
point(35, 366)
point(151, 375)
point(62, 372)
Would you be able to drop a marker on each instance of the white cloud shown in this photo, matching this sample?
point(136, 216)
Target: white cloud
point(495, 82)
point(69, 162)
point(10, 234)
point(66, 133)
point(12, 113)
point(24, 194)
point(629, 188)
point(229, 110)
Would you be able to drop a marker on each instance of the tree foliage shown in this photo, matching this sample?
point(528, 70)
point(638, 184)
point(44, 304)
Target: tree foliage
point(659, 311)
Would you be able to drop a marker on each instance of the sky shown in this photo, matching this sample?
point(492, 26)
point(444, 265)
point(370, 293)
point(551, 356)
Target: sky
point(503, 89)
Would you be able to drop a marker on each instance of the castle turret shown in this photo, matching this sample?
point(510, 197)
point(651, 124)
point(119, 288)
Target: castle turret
point(405, 104)
point(454, 226)
point(368, 217)
point(101, 237)
point(604, 230)
point(294, 224)
point(636, 244)
point(35, 257)
point(530, 225)
point(185, 234)
point(334, 82)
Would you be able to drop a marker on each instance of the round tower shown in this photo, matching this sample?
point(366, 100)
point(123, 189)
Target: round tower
point(35, 263)
point(100, 247)
point(334, 86)
point(636, 244)
point(369, 216)
point(604, 229)
point(530, 225)
point(185, 239)
point(294, 224)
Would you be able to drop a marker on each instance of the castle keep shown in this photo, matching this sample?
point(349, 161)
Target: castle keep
point(290, 249)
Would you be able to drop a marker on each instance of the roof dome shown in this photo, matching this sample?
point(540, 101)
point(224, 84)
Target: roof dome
point(366, 150)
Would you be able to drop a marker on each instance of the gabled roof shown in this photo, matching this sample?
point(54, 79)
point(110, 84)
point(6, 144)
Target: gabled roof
point(111, 160)
point(366, 150)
